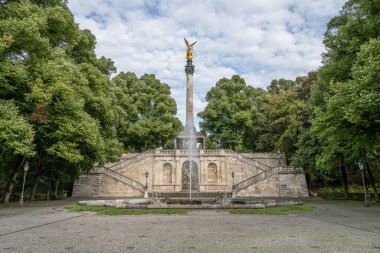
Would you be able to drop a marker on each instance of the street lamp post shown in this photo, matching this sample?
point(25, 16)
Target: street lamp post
point(366, 196)
point(146, 179)
point(26, 168)
point(233, 179)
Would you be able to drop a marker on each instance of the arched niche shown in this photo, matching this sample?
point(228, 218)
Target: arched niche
point(167, 171)
point(186, 167)
point(212, 173)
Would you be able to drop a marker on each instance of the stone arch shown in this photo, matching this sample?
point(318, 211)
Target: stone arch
point(212, 173)
point(186, 175)
point(167, 172)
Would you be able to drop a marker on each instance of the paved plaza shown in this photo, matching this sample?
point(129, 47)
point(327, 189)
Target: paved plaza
point(48, 227)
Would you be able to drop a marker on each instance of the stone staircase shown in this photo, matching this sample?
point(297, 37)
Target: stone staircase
point(261, 177)
point(247, 160)
point(123, 164)
point(266, 170)
point(121, 178)
point(185, 195)
point(228, 153)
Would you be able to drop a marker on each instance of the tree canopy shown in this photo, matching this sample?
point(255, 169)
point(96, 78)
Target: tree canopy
point(58, 106)
point(325, 122)
point(228, 117)
point(151, 120)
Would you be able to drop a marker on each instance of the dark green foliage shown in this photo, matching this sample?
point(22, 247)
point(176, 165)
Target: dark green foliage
point(346, 94)
point(58, 106)
point(229, 115)
point(150, 121)
point(243, 118)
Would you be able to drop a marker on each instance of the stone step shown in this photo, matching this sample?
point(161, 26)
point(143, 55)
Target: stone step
point(186, 194)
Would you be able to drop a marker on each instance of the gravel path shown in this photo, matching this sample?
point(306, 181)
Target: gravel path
point(333, 227)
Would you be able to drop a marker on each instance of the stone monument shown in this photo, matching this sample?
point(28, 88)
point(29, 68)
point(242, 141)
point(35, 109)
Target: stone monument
point(186, 136)
point(192, 169)
point(189, 70)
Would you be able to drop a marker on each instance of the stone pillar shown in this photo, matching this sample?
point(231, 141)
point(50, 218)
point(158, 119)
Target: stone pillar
point(178, 172)
point(189, 70)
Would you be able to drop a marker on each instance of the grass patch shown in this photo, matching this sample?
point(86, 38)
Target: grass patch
point(281, 210)
point(100, 210)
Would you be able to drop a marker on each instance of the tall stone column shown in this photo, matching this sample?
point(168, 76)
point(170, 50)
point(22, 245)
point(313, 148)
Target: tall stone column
point(189, 70)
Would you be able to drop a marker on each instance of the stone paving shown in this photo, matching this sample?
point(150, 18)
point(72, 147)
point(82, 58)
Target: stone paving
point(333, 227)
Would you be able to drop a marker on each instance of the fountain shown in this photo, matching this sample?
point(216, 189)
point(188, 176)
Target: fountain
point(191, 145)
point(191, 174)
point(224, 199)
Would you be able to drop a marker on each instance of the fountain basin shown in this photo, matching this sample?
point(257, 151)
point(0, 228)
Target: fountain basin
point(154, 204)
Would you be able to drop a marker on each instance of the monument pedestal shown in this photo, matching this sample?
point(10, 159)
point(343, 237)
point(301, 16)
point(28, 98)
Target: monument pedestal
point(183, 140)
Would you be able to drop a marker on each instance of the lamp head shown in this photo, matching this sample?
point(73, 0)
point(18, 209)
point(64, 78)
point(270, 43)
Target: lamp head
point(361, 165)
point(26, 166)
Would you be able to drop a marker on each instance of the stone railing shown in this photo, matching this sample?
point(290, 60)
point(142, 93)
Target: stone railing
point(120, 177)
point(245, 159)
point(212, 152)
point(148, 153)
point(255, 179)
point(238, 156)
point(230, 152)
point(151, 153)
point(255, 163)
point(262, 176)
point(189, 152)
point(125, 163)
point(165, 152)
point(290, 169)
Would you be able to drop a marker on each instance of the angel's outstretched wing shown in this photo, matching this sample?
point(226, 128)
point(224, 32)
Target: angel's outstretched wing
point(187, 43)
point(193, 44)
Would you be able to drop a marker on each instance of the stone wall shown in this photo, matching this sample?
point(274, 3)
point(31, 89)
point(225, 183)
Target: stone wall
point(267, 188)
point(88, 185)
point(269, 159)
point(99, 185)
point(293, 185)
point(213, 174)
point(113, 188)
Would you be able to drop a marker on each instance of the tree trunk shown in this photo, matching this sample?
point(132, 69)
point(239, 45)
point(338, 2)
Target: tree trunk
point(345, 181)
point(12, 181)
point(34, 189)
point(56, 188)
point(48, 191)
point(373, 183)
point(344, 176)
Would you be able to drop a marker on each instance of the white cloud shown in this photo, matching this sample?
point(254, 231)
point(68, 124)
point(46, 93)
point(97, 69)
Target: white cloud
point(259, 40)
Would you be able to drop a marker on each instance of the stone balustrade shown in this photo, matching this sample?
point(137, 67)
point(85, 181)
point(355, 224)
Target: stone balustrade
point(120, 177)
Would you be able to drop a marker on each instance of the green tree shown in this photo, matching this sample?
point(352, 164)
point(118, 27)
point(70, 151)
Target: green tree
point(357, 23)
point(16, 143)
point(16, 134)
point(280, 85)
point(349, 128)
point(48, 67)
point(229, 115)
point(308, 149)
point(151, 120)
point(286, 118)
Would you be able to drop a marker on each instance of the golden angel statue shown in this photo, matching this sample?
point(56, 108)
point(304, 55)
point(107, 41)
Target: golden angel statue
point(189, 52)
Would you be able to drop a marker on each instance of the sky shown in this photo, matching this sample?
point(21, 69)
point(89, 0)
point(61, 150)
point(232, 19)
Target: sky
point(260, 40)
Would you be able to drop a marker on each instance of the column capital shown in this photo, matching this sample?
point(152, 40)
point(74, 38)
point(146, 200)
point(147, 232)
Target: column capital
point(189, 68)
